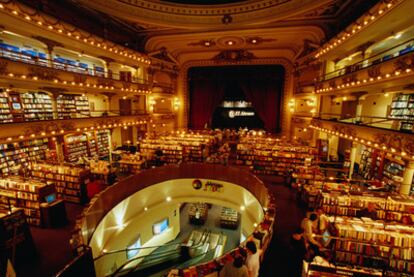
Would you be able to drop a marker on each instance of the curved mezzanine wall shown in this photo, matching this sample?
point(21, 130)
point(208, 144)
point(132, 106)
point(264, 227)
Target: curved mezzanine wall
point(117, 216)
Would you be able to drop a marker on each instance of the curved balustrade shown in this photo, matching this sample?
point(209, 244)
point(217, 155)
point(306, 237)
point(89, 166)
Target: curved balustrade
point(104, 202)
point(109, 198)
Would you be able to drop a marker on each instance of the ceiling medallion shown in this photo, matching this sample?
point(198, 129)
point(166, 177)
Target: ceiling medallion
point(204, 42)
point(234, 55)
point(226, 19)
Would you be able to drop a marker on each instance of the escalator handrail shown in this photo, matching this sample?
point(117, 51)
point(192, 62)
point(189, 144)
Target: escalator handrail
point(144, 256)
point(135, 248)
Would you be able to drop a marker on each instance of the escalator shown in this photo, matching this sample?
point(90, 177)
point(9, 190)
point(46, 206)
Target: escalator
point(198, 247)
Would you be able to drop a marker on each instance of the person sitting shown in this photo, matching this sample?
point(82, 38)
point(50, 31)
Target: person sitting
point(370, 211)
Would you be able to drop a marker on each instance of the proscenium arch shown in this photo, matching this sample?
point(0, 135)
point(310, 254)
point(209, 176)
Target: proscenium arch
point(183, 89)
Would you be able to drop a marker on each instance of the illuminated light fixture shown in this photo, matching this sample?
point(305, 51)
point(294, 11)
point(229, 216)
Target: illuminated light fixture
point(255, 225)
point(35, 78)
point(9, 139)
point(387, 75)
point(27, 17)
point(21, 137)
point(53, 132)
point(62, 131)
point(168, 199)
point(50, 27)
point(386, 94)
point(39, 23)
point(55, 81)
point(23, 76)
point(10, 75)
point(408, 70)
point(15, 12)
point(1, 6)
point(389, 5)
point(380, 12)
point(242, 208)
point(397, 73)
point(230, 42)
point(145, 209)
point(403, 153)
point(32, 135)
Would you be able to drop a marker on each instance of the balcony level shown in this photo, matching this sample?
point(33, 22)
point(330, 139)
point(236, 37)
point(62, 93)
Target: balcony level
point(17, 131)
point(18, 68)
point(393, 68)
point(379, 138)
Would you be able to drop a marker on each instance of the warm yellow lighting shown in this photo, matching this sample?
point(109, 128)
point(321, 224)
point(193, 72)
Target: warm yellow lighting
point(168, 199)
point(242, 207)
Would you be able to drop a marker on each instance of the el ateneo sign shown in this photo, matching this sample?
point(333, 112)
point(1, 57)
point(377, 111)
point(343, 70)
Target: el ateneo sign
point(207, 186)
point(233, 113)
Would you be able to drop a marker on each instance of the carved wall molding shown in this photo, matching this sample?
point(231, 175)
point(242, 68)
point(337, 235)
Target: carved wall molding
point(183, 90)
point(234, 55)
point(43, 73)
point(3, 67)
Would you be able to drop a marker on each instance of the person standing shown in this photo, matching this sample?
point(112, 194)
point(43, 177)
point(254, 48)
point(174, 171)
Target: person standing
point(253, 259)
point(298, 252)
point(308, 224)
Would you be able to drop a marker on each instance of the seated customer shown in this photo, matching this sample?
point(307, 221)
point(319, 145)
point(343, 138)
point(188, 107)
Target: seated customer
point(370, 211)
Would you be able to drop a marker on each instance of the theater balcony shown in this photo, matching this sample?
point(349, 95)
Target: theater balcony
point(393, 68)
point(20, 70)
point(19, 131)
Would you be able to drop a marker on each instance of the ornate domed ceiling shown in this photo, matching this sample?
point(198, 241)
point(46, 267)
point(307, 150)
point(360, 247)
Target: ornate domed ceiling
point(288, 28)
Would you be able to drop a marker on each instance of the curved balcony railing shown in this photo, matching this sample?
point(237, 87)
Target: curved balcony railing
point(388, 123)
point(45, 62)
point(386, 55)
point(49, 116)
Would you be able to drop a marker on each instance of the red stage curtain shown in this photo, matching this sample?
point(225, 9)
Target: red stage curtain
point(209, 94)
point(265, 99)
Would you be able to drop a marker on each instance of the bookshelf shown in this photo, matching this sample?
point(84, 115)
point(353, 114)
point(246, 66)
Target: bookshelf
point(392, 208)
point(26, 194)
point(15, 155)
point(92, 144)
point(66, 106)
point(271, 157)
point(229, 218)
point(36, 106)
point(70, 181)
point(5, 112)
point(102, 138)
point(82, 106)
point(374, 244)
point(402, 107)
point(72, 106)
point(197, 213)
point(75, 147)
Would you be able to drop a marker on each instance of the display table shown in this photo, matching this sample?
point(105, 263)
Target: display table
point(197, 213)
point(229, 218)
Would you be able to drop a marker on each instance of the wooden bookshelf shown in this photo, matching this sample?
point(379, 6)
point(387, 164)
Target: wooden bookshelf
point(37, 106)
point(70, 181)
point(26, 194)
point(75, 147)
point(389, 208)
point(229, 218)
point(15, 155)
point(374, 244)
point(5, 111)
